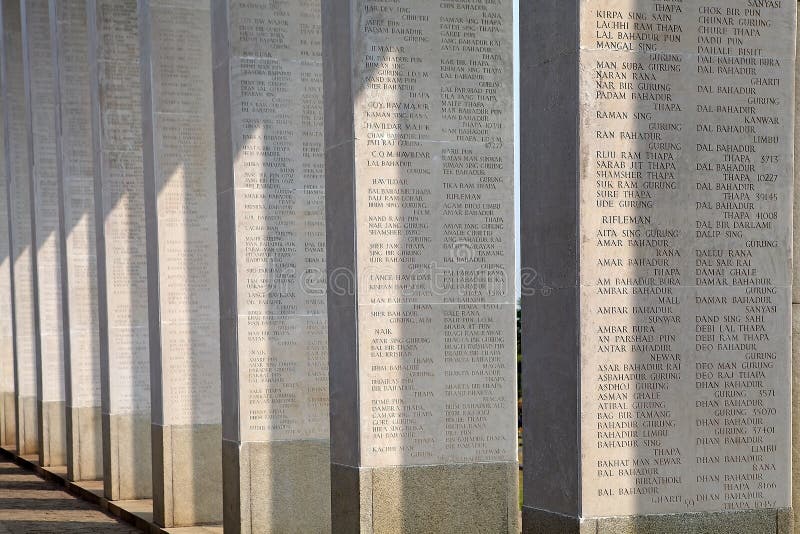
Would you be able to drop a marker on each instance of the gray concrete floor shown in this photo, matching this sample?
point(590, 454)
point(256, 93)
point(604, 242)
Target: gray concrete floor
point(30, 505)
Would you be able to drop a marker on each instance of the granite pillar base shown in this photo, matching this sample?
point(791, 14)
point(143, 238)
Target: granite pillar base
point(767, 521)
point(27, 426)
point(8, 426)
point(276, 487)
point(52, 433)
point(84, 444)
point(796, 411)
point(127, 473)
point(432, 499)
point(187, 475)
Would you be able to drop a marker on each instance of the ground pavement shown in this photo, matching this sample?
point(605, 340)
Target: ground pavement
point(30, 505)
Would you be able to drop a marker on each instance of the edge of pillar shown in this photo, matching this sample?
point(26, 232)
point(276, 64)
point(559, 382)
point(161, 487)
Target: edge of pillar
point(27, 432)
point(186, 486)
point(84, 443)
point(8, 423)
point(52, 421)
point(127, 458)
point(290, 478)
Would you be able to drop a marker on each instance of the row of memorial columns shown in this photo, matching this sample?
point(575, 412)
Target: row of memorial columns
point(257, 261)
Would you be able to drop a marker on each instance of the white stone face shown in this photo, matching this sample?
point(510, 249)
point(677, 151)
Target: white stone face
point(686, 177)
point(435, 232)
point(277, 137)
point(183, 125)
point(78, 217)
point(6, 331)
point(41, 101)
point(120, 161)
point(19, 181)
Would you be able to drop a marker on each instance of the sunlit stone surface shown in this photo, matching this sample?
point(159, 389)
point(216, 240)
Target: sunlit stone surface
point(420, 196)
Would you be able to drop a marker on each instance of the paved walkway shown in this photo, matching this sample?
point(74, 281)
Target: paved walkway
point(30, 505)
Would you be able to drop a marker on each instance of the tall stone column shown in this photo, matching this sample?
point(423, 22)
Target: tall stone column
point(70, 55)
point(183, 283)
point(40, 105)
point(796, 309)
point(121, 261)
point(656, 208)
point(7, 425)
point(267, 91)
point(420, 231)
point(16, 126)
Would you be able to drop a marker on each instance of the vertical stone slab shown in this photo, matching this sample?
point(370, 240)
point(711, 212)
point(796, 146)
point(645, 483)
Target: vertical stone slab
point(796, 311)
point(16, 126)
point(268, 121)
point(40, 106)
point(70, 54)
point(121, 261)
point(183, 280)
point(656, 206)
point(420, 231)
point(7, 425)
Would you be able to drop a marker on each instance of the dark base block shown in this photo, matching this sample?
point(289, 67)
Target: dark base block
point(431, 499)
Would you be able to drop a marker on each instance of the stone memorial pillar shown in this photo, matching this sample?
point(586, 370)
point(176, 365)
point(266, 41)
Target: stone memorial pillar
point(22, 267)
point(181, 217)
point(121, 262)
point(656, 207)
point(40, 106)
point(796, 311)
point(421, 299)
point(7, 426)
point(70, 54)
point(268, 114)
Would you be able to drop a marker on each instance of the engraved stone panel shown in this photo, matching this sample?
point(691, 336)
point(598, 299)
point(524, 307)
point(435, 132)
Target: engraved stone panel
point(75, 164)
point(119, 194)
point(276, 128)
point(434, 232)
point(182, 119)
point(42, 151)
point(683, 231)
point(685, 264)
